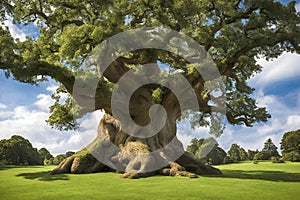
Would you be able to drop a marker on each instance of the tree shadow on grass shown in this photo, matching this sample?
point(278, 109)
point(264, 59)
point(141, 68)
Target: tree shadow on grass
point(44, 176)
point(278, 176)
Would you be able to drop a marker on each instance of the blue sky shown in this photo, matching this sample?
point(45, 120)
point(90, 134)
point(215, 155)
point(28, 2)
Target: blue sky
point(24, 108)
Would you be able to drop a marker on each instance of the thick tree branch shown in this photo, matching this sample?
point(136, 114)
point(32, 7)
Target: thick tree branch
point(66, 78)
point(237, 120)
point(60, 74)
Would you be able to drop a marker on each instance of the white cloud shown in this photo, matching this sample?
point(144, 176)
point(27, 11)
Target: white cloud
point(5, 114)
point(3, 106)
point(52, 88)
point(283, 68)
point(297, 7)
point(94, 118)
point(185, 139)
point(30, 123)
point(263, 100)
point(293, 122)
point(44, 102)
point(185, 133)
point(15, 32)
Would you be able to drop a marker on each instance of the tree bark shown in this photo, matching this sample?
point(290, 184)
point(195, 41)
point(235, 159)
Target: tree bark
point(114, 150)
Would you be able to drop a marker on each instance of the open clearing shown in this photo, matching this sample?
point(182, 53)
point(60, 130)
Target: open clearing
point(245, 180)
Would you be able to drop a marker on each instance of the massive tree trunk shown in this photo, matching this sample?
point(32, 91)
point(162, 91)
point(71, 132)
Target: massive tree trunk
point(131, 149)
point(114, 150)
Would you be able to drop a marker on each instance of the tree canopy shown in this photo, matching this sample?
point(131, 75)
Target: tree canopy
point(270, 148)
point(207, 150)
point(252, 153)
point(45, 154)
point(290, 146)
point(234, 153)
point(19, 151)
point(234, 33)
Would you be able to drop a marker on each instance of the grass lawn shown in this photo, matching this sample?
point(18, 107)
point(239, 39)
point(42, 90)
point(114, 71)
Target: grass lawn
point(239, 181)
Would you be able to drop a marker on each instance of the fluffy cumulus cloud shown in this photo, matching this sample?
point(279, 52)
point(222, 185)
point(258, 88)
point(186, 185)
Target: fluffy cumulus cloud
point(15, 32)
point(21, 31)
point(185, 133)
point(2, 106)
point(284, 68)
point(298, 6)
point(44, 100)
point(30, 123)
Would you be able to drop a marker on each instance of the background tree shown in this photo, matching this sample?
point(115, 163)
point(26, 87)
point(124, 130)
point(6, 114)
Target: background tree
point(215, 155)
point(69, 153)
point(234, 153)
point(45, 156)
point(269, 150)
point(290, 146)
point(19, 151)
point(243, 154)
point(251, 154)
point(234, 33)
point(195, 145)
point(259, 156)
point(58, 159)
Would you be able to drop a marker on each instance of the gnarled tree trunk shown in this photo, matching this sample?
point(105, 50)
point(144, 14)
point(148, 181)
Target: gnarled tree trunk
point(138, 153)
point(114, 150)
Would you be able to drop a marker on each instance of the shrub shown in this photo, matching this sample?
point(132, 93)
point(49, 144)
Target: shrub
point(293, 156)
point(276, 159)
point(290, 146)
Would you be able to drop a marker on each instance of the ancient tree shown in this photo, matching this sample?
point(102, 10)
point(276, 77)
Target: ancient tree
point(232, 33)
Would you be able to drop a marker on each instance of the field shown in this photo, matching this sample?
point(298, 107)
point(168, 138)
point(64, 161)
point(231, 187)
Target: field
point(239, 181)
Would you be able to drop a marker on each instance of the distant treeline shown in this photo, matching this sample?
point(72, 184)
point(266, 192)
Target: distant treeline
point(290, 149)
point(19, 151)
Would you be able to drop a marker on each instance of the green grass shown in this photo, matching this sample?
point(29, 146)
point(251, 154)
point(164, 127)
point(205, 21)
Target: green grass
point(265, 181)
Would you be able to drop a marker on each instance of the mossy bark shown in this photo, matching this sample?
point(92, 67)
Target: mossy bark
point(114, 150)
